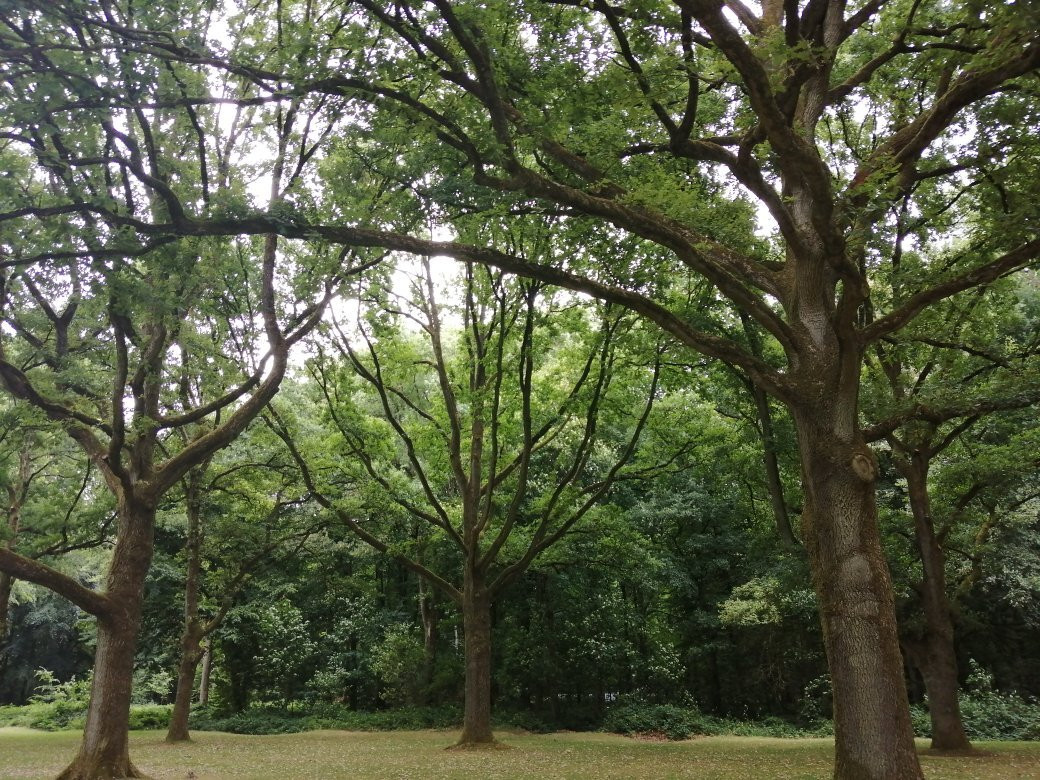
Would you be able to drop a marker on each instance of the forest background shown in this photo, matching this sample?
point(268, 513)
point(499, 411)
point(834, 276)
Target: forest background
point(725, 403)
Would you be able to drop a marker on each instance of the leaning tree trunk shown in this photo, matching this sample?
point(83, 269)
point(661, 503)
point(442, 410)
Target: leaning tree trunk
point(104, 751)
point(872, 730)
point(207, 665)
point(191, 655)
point(937, 658)
point(771, 465)
point(476, 625)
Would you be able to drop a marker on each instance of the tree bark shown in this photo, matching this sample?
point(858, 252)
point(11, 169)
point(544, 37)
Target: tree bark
point(6, 584)
point(476, 623)
point(191, 637)
point(872, 730)
point(15, 496)
point(104, 751)
point(937, 659)
point(207, 665)
point(191, 654)
point(771, 464)
point(428, 613)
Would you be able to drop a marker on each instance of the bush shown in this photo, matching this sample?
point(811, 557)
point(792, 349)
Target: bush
point(282, 720)
point(146, 717)
point(671, 720)
point(65, 716)
point(46, 716)
point(523, 719)
point(989, 715)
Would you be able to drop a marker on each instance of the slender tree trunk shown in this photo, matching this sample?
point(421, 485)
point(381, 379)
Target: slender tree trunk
point(476, 623)
point(428, 613)
point(191, 636)
point(15, 493)
point(207, 665)
point(191, 654)
point(6, 583)
point(104, 751)
point(771, 464)
point(937, 659)
point(873, 735)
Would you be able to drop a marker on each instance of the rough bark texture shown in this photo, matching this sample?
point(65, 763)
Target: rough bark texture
point(104, 751)
point(935, 655)
point(476, 620)
point(873, 735)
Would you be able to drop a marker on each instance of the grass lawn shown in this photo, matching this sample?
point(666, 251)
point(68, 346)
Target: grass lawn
point(420, 754)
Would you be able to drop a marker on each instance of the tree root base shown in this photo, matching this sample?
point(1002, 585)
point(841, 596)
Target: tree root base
point(494, 744)
point(968, 752)
point(85, 771)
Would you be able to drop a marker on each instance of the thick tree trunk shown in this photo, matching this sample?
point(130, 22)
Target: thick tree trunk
point(476, 624)
point(937, 658)
point(104, 751)
point(873, 735)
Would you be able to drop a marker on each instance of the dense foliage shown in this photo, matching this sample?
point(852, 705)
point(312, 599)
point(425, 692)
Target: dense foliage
point(639, 364)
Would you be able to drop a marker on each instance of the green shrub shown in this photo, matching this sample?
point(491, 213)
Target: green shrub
point(671, 720)
point(50, 691)
point(528, 721)
point(147, 717)
point(282, 720)
point(46, 716)
point(767, 727)
point(989, 715)
point(65, 716)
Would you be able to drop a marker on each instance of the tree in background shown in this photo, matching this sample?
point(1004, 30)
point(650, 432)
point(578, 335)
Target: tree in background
point(105, 332)
point(940, 381)
point(828, 116)
point(500, 439)
point(243, 506)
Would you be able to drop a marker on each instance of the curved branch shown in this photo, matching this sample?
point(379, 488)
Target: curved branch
point(97, 604)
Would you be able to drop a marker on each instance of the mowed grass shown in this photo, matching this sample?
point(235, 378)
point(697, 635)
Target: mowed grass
point(328, 755)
